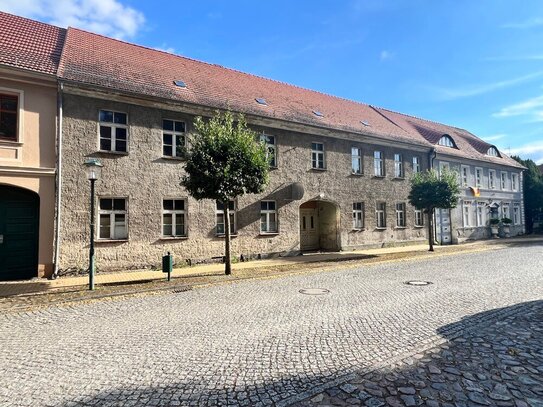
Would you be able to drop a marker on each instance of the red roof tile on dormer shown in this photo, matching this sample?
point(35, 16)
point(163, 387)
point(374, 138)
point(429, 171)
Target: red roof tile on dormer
point(29, 44)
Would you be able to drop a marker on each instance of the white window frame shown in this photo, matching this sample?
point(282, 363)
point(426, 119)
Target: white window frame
point(506, 210)
point(20, 115)
point(174, 135)
point(514, 182)
point(233, 218)
point(503, 180)
point(356, 161)
point(491, 179)
point(419, 218)
point(358, 215)
point(381, 215)
point(516, 214)
point(398, 165)
point(114, 126)
point(175, 213)
point(271, 148)
point(480, 214)
point(446, 141)
point(113, 226)
point(444, 165)
point(465, 175)
point(317, 156)
point(267, 213)
point(479, 177)
point(400, 215)
point(416, 164)
point(378, 163)
point(466, 213)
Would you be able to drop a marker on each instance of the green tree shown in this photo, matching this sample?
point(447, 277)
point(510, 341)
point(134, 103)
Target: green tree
point(533, 192)
point(429, 191)
point(224, 162)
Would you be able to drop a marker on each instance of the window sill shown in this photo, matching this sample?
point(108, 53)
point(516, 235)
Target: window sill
point(418, 226)
point(223, 235)
point(318, 169)
point(379, 176)
point(358, 229)
point(121, 153)
point(378, 228)
point(111, 241)
point(6, 142)
point(268, 233)
point(398, 178)
point(166, 238)
point(400, 227)
point(167, 157)
point(357, 174)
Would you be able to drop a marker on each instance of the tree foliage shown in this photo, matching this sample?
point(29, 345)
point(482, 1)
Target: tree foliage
point(533, 191)
point(430, 190)
point(224, 162)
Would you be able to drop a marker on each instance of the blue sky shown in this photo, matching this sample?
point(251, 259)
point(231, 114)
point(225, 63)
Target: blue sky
point(472, 64)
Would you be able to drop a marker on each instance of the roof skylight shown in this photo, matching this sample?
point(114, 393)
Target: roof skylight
point(261, 101)
point(317, 113)
point(365, 123)
point(180, 83)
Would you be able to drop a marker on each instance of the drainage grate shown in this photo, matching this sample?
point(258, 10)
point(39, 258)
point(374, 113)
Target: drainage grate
point(418, 282)
point(314, 291)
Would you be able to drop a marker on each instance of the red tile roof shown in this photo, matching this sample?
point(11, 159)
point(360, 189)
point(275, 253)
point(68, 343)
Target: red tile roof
point(469, 145)
point(29, 44)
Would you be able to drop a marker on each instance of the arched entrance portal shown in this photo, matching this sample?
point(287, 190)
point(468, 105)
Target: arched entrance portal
point(19, 216)
point(319, 226)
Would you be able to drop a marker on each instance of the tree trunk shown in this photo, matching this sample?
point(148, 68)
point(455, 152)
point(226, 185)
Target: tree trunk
point(227, 257)
point(431, 229)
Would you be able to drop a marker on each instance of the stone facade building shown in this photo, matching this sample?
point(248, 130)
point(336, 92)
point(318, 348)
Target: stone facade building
point(339, 169)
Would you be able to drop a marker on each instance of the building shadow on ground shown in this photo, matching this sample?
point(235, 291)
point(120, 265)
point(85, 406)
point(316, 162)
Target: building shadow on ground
point(493, 358)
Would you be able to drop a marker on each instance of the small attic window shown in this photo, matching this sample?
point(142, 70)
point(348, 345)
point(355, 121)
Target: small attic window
point(261, 101)
point(180, 83)
point(365, 123)
point(317, 113)
point(446, 141)
point(493, 152)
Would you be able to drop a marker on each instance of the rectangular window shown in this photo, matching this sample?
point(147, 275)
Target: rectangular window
point(173, 138)
point(112, 219)
point(443, 166)
point(358, 215)
point(173, 218)
point(467, 213)
point(416, 165)
point(465, 175)
point(478, 177)
point(113, 131)
point(378, 164)
point(503, 178)
point(514, 182)
point(271, 148)
point(317, 156)
point(380, 215)
point(481, 213)
point(9, 112)
point(268, 217)
point(516, 214)
point(505, 211)
point(356, 160)
point(398, 166)
point(491, 179)
point(400, 215)
point(419, 219)
point(220, 217)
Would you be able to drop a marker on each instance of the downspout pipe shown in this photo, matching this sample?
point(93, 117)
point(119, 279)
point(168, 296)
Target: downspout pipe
point(431, 158)
point(58, 179)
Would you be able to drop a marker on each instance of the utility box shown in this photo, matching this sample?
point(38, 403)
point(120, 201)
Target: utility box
point(167, 264)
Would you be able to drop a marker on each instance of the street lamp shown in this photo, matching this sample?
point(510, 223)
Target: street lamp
point(94, 167)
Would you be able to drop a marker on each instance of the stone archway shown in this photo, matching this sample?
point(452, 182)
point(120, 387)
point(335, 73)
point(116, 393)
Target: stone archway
point(19, 233)
point(319, 226)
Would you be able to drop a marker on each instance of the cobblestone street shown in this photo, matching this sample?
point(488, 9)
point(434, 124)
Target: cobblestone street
point(265, 343)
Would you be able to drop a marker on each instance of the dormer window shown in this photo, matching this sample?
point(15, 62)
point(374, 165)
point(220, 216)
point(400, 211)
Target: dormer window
point(446, 141)
point(493, 152)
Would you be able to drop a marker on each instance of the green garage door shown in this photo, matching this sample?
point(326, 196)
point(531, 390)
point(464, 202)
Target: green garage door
point(19, 213)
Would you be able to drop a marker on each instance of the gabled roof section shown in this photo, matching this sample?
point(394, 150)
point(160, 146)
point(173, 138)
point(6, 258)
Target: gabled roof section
point(29, 44)
point(468, 145)
point(95, 60)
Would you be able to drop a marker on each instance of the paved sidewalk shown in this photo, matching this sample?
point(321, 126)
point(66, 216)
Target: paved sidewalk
point(8, 289)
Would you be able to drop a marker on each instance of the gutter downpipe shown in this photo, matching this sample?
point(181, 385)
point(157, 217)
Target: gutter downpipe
point(58, 179)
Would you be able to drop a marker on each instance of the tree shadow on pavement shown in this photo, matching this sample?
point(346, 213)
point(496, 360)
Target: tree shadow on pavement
point(493, 358)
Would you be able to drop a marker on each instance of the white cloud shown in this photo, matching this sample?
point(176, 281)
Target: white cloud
point(530, 23)
point(107, 17)
point(494, 137)
point(385, 55)
point(531, 150)
point(531, 107)
point(475, 90)
point(164, 47)
point(535, 57)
